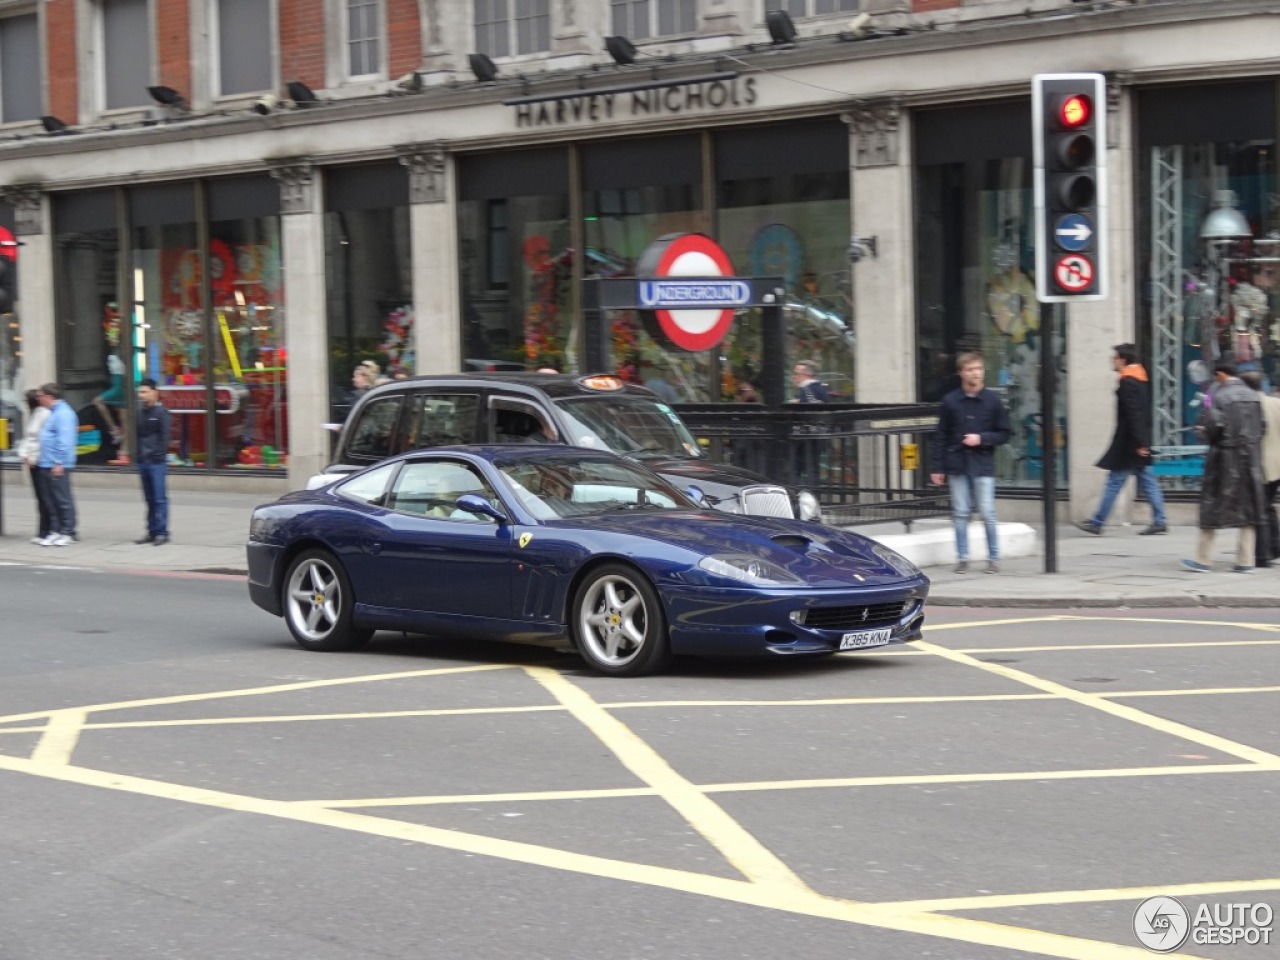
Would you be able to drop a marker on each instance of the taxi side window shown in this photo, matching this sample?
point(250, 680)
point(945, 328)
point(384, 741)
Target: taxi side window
point(373, 436)
point(438, 420)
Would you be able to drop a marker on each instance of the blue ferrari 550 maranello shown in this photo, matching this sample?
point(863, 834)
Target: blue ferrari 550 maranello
point(557, 544)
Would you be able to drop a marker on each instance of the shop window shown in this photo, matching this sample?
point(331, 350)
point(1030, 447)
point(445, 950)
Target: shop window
point(20, 68)
point(1207, 226)
point(783, 210)
point(244, 51)
point(642, 19)
point(369, 278)
point(125, 53)
point(98, 337)
point(517, 261)
point(507, 27)
point(975, 286)
point(634, 192)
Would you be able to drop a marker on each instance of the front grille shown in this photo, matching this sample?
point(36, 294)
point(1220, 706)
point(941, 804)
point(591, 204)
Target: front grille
point(854, 618)
point(763, 501)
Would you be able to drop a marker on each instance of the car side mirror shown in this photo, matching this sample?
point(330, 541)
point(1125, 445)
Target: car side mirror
point(695, 494)
point(474, 503)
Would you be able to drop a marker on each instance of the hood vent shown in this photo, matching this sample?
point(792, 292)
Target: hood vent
point(793, 541)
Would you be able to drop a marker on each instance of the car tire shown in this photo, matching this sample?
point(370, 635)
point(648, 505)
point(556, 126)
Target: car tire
point(617, 623)
point(318, 603)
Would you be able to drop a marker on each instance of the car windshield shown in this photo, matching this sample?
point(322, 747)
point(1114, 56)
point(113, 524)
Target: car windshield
point(569, 486)
point(633, 426)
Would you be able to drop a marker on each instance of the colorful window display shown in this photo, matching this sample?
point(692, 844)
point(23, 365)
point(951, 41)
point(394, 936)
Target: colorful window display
point(976, 274)
point(13, 405)
point(203, 316)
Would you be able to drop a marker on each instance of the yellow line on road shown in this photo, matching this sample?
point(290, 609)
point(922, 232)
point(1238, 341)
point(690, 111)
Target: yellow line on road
point(1004, 622)
point(796, 900)
point(1123, 711)
point(753, 786)
point(1106, 647)
point(61, 734)
point(1053, 898)
point(1199, 692)
point(259, 691)
point(739, 847)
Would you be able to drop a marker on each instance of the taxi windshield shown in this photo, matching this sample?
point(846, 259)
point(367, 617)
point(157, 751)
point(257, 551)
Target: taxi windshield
point(632, 426)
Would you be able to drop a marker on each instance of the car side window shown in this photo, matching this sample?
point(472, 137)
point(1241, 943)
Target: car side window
point(431, 488)
point(373, 436)
point(369, 487)
point(438, 420)
point(517, 422)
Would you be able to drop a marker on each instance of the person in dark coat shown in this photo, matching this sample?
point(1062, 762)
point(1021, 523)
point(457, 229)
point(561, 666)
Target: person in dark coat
point(1231, 492)
point(153, 422)
point(972, 423)
point(1130, 450)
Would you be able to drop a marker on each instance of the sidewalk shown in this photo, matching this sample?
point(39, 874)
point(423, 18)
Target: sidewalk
point(1118, 569)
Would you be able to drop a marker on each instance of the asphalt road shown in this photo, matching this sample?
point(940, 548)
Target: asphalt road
point(178, 780)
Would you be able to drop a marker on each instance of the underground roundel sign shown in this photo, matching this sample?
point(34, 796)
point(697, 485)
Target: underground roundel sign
point(687, 291)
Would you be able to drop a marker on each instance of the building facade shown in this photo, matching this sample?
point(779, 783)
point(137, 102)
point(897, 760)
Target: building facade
point(246, 199)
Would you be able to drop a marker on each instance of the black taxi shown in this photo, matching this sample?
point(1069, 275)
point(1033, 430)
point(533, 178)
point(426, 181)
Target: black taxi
point(601, 412)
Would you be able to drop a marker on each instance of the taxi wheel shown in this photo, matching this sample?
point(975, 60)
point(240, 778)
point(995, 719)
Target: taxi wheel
point(618, 623)
point(318, 603)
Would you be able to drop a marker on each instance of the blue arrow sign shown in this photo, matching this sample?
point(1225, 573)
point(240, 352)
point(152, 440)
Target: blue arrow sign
point(1073, 232)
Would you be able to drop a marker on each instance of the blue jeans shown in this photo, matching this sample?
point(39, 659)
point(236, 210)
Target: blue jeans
point(964, 491)
point(153, 488)
point(62, 507)
point(1146, 483)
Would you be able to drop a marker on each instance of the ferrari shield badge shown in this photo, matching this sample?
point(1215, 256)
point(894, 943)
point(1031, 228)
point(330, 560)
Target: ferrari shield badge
point(525, 538)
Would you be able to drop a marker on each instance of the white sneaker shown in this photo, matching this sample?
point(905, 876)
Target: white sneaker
point(47, 541)
point(60, 540)
point(39, 541)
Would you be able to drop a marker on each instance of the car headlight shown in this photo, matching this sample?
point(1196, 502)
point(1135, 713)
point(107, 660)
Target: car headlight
point(896, 560)
point(810, 509)
point(747, 569)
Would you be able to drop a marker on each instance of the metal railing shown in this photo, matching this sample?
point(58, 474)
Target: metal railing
point(865, 463)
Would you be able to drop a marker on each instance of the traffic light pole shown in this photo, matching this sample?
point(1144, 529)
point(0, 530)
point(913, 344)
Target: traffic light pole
point(1049, 318)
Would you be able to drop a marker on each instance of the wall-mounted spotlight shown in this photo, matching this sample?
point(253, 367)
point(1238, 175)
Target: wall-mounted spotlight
point(266, 104)
point(53, 125)
point(168, 97)
point(486, 70)
point(621, 49)
point(781, 28)
point(411, 82)
point(301, 94)
point(863, 247)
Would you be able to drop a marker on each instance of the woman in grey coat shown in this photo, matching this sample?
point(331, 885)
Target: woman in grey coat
point(1231, 493)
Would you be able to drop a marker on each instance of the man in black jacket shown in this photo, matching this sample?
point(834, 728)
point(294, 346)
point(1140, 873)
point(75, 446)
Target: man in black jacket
point(973, 422)
point(1130, 450)
point(153, 451)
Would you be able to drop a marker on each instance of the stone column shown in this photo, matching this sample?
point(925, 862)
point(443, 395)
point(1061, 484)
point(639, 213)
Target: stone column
point(433, 223)
point(35, 309)
point(1093, 328)
point(306, 327)
point(883, 276)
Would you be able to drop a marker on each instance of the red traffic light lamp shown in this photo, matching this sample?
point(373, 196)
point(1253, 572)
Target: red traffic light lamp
point(1074, 111)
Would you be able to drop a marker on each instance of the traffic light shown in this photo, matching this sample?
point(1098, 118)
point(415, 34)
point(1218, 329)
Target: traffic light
point(1069, 139)
point(8, 269)
point(6, 284)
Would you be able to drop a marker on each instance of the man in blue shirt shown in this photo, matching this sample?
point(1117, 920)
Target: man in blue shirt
point(57, 460)
point(972, 423)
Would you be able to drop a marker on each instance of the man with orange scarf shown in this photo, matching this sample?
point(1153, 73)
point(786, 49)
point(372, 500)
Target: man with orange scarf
point(1130, 450)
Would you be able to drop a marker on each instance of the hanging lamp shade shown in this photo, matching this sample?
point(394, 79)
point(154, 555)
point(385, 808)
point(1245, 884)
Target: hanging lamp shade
point(1224, 221)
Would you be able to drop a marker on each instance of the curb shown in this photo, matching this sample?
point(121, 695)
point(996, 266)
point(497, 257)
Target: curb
point(1107, 602)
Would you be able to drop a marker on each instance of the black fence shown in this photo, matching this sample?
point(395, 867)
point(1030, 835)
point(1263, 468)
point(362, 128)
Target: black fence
point(865, 463)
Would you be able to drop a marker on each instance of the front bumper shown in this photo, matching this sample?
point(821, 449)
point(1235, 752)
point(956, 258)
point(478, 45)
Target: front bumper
point(745, 622)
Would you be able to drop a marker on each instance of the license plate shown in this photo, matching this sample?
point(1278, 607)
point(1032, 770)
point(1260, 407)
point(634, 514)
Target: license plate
point(865, 638)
